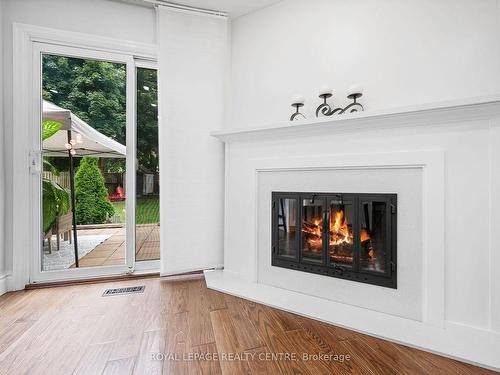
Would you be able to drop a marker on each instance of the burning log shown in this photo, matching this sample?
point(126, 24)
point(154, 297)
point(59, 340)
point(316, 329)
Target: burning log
point(312, 236)
point(310, 227)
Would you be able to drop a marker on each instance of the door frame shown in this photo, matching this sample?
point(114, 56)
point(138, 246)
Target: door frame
point(26, 120)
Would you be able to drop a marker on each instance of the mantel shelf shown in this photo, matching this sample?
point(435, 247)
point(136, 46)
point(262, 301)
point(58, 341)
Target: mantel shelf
point(435, 113)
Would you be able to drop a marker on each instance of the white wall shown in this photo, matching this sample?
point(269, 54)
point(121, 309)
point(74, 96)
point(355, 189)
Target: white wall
point(401, 52)
point(192, 59)
point(100, 17)
point(2, 159)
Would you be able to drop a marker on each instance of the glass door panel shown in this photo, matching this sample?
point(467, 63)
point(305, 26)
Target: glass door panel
point(287, 227)
point(341, 231)
point(373, 236)
point(83, 138)
point(147, 208)
point(312, 229)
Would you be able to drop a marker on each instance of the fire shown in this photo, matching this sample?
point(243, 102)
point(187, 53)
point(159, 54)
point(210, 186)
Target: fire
point(312, 235)
point(364, 235)
point(340, 235)
point(339, 229)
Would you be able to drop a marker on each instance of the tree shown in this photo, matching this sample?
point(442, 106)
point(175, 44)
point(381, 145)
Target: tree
point(96, 92)
point(147, 119)
point(92, 204)
point(93, 90)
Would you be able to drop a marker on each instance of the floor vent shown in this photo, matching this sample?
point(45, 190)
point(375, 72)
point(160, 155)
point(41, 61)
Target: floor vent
point(121, 291)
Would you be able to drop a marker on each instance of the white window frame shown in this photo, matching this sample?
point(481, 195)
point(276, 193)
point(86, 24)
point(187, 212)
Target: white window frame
point(28, 42)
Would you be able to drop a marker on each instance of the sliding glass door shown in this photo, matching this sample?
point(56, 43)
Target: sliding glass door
point(97, 192)
point(147, 213)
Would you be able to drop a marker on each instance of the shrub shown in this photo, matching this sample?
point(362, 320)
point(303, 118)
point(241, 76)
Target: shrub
point(92, 204)
point(55, 203)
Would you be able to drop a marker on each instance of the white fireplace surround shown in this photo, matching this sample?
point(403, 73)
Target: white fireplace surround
point(442, 160)
point(405, 181)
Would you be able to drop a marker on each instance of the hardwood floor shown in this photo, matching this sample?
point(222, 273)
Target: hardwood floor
point(181, 327)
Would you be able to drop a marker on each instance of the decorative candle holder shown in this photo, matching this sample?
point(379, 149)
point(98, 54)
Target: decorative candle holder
point(354, 106)
point(297, 102)
point(326, 110)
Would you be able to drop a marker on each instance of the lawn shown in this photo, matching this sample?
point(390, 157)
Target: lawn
point(147, 210)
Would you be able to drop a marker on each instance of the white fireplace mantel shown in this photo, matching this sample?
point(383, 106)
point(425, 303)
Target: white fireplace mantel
point(440, 112)
point(443, 161)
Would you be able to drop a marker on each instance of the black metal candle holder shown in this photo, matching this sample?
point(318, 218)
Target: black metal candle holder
point(297, 115)
point(326, 110)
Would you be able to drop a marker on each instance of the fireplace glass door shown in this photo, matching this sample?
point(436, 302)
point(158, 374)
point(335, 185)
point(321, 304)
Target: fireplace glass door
point(312, 229)
point(352, 236)
point(287, 227)
point(374, 236)
point(341, 233)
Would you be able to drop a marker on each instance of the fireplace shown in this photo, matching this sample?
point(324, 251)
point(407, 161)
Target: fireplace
point(343, 235)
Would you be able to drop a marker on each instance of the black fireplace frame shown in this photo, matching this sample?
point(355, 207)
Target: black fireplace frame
point(325, 266)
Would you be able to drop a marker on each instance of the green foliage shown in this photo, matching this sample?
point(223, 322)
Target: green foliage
point(147, 119)
point(96, 92)
point(93, 90)
point(48, 166)
point(147, 210)
point(61, 163)
point(112, 165)
point(56, 202)
point(92, 204)
point(49, 128)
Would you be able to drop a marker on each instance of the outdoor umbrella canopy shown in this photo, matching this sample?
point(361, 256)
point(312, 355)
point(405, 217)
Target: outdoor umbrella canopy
point(83, 140)
point(91, 142)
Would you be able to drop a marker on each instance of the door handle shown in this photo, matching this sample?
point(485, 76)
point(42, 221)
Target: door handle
point(35, 162)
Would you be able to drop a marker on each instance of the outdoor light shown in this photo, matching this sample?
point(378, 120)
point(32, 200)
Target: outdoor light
point(70, 145)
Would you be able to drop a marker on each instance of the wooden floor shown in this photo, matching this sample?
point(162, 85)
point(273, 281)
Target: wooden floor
point(74, 330)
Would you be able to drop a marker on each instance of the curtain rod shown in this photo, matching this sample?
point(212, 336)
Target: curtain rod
point(188, 8)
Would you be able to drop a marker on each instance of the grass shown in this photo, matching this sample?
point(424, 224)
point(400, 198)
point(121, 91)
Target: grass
point(147, 210)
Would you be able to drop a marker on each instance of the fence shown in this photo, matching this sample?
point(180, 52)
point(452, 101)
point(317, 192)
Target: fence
point(62, 179)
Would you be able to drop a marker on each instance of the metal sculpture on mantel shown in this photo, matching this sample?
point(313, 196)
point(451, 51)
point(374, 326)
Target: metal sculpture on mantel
point(326, 110)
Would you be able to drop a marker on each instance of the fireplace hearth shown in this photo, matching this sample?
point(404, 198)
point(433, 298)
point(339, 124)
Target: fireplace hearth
point(343, 235)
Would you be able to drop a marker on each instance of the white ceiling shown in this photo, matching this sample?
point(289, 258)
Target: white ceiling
point(234, 8)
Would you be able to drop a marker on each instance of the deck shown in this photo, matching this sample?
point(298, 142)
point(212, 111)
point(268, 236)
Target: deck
point(112, 250)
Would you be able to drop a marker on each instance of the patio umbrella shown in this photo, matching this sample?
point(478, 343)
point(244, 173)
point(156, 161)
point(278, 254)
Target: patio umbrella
point(82, 140)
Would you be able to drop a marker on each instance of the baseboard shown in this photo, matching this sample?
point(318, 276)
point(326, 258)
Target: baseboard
point(191, 270)
point(464, 343)
point(3, 284)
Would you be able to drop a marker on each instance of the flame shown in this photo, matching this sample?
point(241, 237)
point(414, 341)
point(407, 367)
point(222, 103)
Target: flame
point(364, 235)
point(339, 229)
point(340, 234)
point(312, 236)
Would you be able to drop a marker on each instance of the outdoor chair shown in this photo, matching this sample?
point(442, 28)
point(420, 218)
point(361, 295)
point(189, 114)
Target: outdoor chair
point(63, 227)
point(48, 237)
